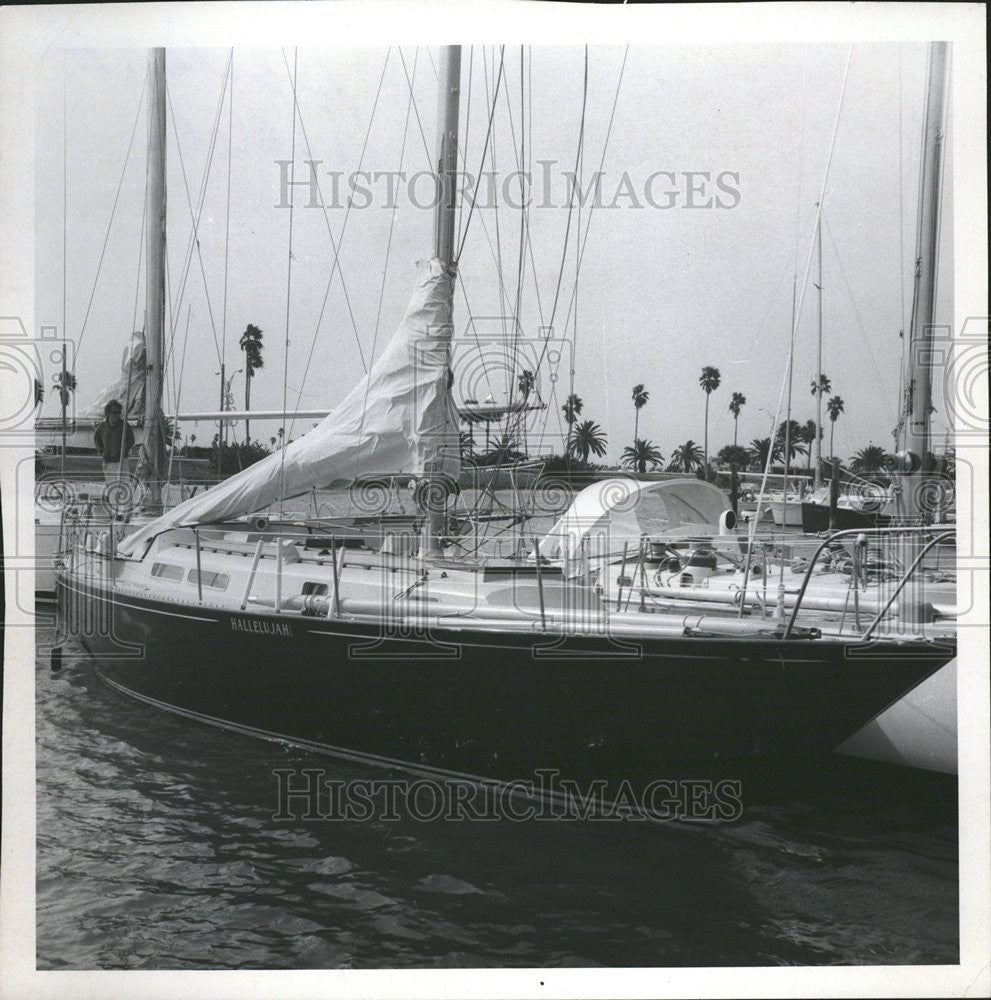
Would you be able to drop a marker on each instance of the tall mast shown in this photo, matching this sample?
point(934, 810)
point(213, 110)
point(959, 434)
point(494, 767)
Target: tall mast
point(818, 441)
point(449, 95)
point(918, 391)
point(448, 107)
point(153, 450)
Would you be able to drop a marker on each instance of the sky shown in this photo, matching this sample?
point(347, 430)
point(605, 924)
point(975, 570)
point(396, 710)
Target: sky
point(710, 173)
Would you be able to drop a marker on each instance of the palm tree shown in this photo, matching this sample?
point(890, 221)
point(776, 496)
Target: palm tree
point(835, 407)
point(821, 386)
point(795, 433)
point(640, 397)
point(807, 435)
point(571, 409)
point(735, 405)
point(734, 455)
point(640, 455)
point(687, 458)
point(709, 381)
point(873, 458)
point(251, 344)
point(588, 438)
point(64, 385)
point(506, 450)
point(759, 449)
point(525, 383)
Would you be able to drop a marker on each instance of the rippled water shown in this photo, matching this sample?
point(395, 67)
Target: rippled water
point(157, 849)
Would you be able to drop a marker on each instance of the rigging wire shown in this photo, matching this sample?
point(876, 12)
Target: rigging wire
point(416, 110)
point(197, 213)
point(488, 134)
point(801, 150)
point(227, 219)
point(385, 272)
point(901, 253)
point(177, 387)
point(571, 200)
point(65, 221)
point(106, 238)
point(337, 244)
point(860, 323)
point(602, 160)
point(137, 276)
point(495, 213)
point(797, 310)
point(285, 359)
point(464, 143)
point(463, 154)
point(940, 187)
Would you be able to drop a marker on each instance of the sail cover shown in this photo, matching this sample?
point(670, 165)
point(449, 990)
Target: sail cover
point(398, 420)
point(128, 388)
point(604, 516)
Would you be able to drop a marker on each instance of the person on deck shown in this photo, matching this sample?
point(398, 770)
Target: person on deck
point(114, 439)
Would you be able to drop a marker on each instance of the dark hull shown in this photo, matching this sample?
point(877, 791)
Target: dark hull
point(815, 518)
point(493, 705)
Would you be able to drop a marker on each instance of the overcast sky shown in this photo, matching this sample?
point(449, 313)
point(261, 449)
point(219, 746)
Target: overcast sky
point(709, 182)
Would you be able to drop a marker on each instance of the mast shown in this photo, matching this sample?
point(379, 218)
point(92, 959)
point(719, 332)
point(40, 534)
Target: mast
point(818, 441)
point(449, 95)
point(153, 449)
point(918, 390)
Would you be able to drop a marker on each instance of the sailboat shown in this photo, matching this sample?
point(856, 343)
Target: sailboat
point(422, 654)
point(114, 506)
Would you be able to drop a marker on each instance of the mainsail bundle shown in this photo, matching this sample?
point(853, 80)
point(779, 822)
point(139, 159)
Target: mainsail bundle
point(398, 420)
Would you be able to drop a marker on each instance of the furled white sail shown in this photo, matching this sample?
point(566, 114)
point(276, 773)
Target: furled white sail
point(128, 388)
point(398, 420)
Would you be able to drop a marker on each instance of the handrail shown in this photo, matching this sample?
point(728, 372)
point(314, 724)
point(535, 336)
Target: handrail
point(846, 533)
point(540, 583)
point(199, 574)
point(337, 576)
point(901, 584)
point(251, 575)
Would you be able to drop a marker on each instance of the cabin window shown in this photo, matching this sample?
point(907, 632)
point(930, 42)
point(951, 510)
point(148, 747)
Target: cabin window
point(314, 588)
point(167, 571)
point(209, 579)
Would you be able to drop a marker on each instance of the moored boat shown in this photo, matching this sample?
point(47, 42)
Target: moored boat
point(417, 650)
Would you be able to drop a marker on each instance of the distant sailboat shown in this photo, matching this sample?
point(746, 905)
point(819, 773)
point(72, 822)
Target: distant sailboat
point(138, 387)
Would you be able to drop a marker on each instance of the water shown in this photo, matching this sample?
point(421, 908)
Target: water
point(157, 849)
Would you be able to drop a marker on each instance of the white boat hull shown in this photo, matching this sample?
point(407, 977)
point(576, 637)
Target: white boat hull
point(918, 730)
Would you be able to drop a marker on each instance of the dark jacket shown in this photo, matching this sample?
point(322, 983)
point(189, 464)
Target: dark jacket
point(108, 440)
